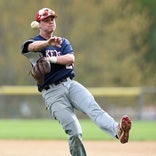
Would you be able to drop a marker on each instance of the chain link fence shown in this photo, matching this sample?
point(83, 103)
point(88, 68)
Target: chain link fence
point(138, 103)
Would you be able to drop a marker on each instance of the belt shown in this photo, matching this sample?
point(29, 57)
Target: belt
point(56, 83)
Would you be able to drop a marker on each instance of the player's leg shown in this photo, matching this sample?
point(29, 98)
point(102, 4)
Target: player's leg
point(85, 102)
point(71, 126)
point(62, 110)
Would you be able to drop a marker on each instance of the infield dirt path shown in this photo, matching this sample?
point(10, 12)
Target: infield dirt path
point(60, 148)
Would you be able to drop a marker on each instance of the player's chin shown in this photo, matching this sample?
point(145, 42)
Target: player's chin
point(49, 31)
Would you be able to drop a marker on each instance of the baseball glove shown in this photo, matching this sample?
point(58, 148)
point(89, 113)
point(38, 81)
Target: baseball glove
point(41, 68)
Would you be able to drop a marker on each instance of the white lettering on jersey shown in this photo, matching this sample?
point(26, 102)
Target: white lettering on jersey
point(50, 53)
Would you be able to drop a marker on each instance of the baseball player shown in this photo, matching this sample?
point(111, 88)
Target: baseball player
point(62, 94)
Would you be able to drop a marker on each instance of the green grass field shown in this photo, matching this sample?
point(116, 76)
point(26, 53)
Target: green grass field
point(50, 129)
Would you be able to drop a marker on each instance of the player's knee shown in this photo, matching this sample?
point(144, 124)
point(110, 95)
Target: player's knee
point(72, 133)
point(73, 129)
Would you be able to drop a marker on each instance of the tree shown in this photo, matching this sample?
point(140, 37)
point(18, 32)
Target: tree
point(109, 38)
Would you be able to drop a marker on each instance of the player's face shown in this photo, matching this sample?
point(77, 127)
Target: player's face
point(48, 24)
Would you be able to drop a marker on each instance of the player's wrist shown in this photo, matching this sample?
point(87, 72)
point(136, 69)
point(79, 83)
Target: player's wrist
point(53, 59)
point(47, 42)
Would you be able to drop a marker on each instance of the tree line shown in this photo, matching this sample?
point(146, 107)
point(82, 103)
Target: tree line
point(113, 40)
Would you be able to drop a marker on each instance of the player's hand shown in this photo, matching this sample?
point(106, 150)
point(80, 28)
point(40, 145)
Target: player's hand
point(55, 41)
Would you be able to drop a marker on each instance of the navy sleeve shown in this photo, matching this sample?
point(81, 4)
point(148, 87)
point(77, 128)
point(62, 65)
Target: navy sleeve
point(24, 47)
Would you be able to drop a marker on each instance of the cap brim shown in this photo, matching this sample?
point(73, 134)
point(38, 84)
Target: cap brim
point(48, 16)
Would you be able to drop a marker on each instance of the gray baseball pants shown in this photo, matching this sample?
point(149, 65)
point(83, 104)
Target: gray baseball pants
point(62, 99)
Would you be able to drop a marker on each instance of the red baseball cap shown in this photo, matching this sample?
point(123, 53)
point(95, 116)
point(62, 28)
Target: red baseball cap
point(44, 13)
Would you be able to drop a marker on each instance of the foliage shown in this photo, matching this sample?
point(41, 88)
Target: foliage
point(109, 38)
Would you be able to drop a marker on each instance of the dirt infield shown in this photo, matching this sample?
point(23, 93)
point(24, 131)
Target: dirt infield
point(60, 148)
